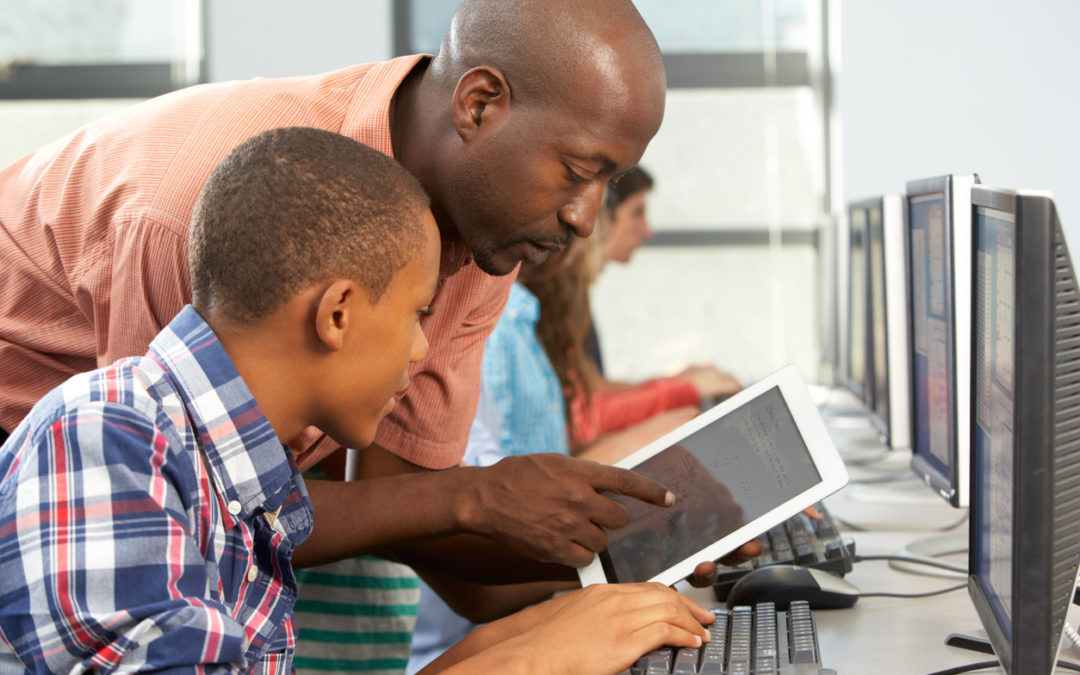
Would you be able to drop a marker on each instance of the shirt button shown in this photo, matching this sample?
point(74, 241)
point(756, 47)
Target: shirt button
point(253, 573)
point(234, 507)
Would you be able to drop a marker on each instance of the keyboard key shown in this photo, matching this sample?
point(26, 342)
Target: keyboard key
point(656, 662)
point(686, 661)
point(802, 634)
point(746, 641)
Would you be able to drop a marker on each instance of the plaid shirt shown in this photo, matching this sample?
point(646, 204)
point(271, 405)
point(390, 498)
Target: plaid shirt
point(148, 515)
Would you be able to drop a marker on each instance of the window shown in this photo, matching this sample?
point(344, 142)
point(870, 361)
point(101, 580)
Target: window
point(71, 49)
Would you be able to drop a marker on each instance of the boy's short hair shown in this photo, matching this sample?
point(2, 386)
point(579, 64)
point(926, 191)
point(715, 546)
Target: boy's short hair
point(294, 206)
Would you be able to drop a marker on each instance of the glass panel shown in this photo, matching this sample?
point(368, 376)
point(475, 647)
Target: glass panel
point(737, 158)
point(700, 26)
point(680, 26)
point(430, 21)
point(73, 32)
point(746, 309)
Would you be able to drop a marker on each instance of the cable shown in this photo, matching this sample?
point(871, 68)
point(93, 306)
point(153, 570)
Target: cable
point(915, 561)
point(993, 664)
point(940, 591)
point(968, 668)
point(955, 525)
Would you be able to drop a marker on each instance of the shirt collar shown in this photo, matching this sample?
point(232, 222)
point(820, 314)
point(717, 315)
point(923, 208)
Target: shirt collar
point(368, 117)
point(248, 463)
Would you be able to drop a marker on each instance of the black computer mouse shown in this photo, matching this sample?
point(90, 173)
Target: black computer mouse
point(780, 584)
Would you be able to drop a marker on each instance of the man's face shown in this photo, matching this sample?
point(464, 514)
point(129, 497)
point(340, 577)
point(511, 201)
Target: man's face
point(522, 191)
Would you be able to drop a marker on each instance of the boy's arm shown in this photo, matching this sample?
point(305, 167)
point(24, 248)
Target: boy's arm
point(100, 566)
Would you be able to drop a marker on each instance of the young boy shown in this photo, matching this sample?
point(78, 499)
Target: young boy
point(149, 509)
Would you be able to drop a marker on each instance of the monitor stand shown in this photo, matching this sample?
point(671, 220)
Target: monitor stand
point(975, 641)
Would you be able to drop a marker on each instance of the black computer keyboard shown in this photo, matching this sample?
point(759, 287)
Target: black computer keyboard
point(799, 541)
point(746, 640)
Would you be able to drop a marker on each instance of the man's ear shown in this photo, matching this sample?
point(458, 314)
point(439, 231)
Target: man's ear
point(335, 312)
point(481, 102)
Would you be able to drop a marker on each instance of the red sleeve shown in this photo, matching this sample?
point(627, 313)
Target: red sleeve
point(611, 411)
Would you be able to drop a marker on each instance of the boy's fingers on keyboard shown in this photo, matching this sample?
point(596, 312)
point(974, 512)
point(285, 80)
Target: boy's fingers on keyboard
point(661, 595)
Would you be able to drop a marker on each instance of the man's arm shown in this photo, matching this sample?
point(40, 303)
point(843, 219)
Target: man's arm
point(546, 507)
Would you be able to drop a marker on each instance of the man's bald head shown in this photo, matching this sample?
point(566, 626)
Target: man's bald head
point(543, 47)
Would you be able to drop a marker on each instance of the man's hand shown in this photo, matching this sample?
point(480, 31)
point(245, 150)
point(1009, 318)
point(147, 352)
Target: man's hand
point(550, 507)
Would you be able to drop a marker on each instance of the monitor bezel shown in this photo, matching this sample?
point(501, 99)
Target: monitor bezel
point(858, 388)
point(950, 482)
point(895, 427)
point(1028, 648)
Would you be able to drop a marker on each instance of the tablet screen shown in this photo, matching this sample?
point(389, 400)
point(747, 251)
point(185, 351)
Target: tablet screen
point(724, 475)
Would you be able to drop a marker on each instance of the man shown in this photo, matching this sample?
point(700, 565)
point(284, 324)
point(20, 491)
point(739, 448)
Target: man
point(513, 128)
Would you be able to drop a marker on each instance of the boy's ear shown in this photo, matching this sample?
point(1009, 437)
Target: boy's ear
point(481, 101)
point(335, 310)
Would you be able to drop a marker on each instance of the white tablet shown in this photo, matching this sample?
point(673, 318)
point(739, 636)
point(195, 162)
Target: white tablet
point(737, 470)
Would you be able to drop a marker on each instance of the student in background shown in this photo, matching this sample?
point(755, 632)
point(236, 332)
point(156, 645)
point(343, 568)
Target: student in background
point(600, 406)
point(167, 506)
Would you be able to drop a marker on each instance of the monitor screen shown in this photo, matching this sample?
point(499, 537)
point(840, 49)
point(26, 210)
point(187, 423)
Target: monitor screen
point(857, 304)
point(1024, 546)
point(878, 397)
point(939, 272)
point(932, 328)
point(994, 359)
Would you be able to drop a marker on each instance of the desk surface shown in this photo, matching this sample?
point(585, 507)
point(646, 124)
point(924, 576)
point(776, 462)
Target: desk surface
point(892, 509)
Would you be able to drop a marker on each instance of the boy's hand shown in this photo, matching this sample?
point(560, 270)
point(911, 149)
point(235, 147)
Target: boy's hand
point(599, 629)
point(550, 507)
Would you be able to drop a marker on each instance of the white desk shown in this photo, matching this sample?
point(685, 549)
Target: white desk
point(896, 635)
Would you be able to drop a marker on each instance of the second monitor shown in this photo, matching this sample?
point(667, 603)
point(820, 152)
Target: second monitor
point(939, 286)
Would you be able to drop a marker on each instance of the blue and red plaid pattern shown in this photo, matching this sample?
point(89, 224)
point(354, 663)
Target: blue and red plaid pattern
point(148, 515)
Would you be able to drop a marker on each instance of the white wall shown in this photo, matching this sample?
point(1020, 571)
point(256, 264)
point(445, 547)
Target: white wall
point(988, 86)
point(278, 38)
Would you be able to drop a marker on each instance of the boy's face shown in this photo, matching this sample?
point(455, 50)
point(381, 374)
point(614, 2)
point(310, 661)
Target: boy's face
point(383, 339)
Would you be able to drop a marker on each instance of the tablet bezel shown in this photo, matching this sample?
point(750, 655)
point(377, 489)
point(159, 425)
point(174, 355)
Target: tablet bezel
point(823, 453)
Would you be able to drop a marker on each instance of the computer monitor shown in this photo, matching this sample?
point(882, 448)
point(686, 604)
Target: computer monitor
point(939, 284)
point(888, 374)
point(1024, 543)
point(857, 371)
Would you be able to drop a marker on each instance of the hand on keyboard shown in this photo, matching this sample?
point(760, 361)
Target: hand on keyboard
point(603, 628)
